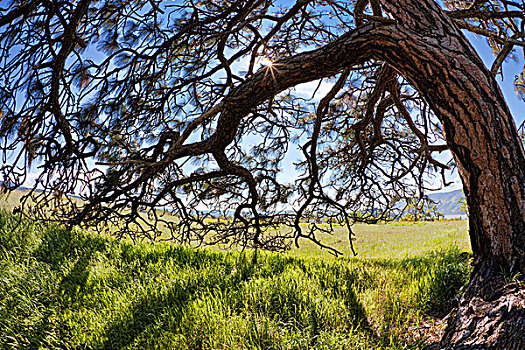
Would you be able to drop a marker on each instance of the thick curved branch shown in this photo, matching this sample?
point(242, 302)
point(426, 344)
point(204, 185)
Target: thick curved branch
point(483, 15)
point(489, 34)
point(68, 43)
point(502, 56)
point(349, 50)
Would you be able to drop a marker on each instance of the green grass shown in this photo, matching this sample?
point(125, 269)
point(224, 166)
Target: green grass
point(64, 289)
point(10, 199)
point(397, 240)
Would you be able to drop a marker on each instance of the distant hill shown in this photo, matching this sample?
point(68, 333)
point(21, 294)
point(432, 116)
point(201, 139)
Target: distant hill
point(447, 202)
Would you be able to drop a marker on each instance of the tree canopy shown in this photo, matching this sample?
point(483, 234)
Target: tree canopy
point(191, 107)
point(154, 116)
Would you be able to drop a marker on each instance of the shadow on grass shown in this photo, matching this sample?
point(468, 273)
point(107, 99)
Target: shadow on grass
point(146, 255)
point(166, 308)
point(61, 248)
point(60, 245)
point(147, 312)
point(352, 303)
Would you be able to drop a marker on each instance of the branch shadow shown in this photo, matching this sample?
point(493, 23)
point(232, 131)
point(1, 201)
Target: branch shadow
point(122, 332)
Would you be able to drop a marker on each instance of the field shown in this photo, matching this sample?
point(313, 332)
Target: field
point(397, 240)
point(64, 289)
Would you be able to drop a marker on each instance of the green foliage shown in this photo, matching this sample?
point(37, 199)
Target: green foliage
point(70, 289)
point(421, 210)
point(519, 85)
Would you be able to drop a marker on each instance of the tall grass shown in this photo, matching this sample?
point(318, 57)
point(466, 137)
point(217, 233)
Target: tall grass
point(63, 289)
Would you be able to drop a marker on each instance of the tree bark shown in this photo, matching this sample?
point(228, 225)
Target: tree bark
point(427, 48)
point(440, 62)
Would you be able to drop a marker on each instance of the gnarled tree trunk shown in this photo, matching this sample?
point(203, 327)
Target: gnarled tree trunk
point(433, 54)
point(438, 60)
point(427, 48)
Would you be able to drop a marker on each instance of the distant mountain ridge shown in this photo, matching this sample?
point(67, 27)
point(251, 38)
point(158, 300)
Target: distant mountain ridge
point(448, 203)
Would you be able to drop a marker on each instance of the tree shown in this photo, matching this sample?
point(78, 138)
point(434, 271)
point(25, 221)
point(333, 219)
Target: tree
point(424, 209)
point(141, 105)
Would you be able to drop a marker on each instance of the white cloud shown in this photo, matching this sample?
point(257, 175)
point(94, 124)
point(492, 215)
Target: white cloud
point(314, 90)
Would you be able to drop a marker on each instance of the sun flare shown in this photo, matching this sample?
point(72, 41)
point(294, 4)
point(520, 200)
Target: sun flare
point(265, 61)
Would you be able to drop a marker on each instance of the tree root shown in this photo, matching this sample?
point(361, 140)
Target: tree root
point(494, 321)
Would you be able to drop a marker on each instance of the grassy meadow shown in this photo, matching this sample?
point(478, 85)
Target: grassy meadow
point(397, 240)
point(63, 289)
